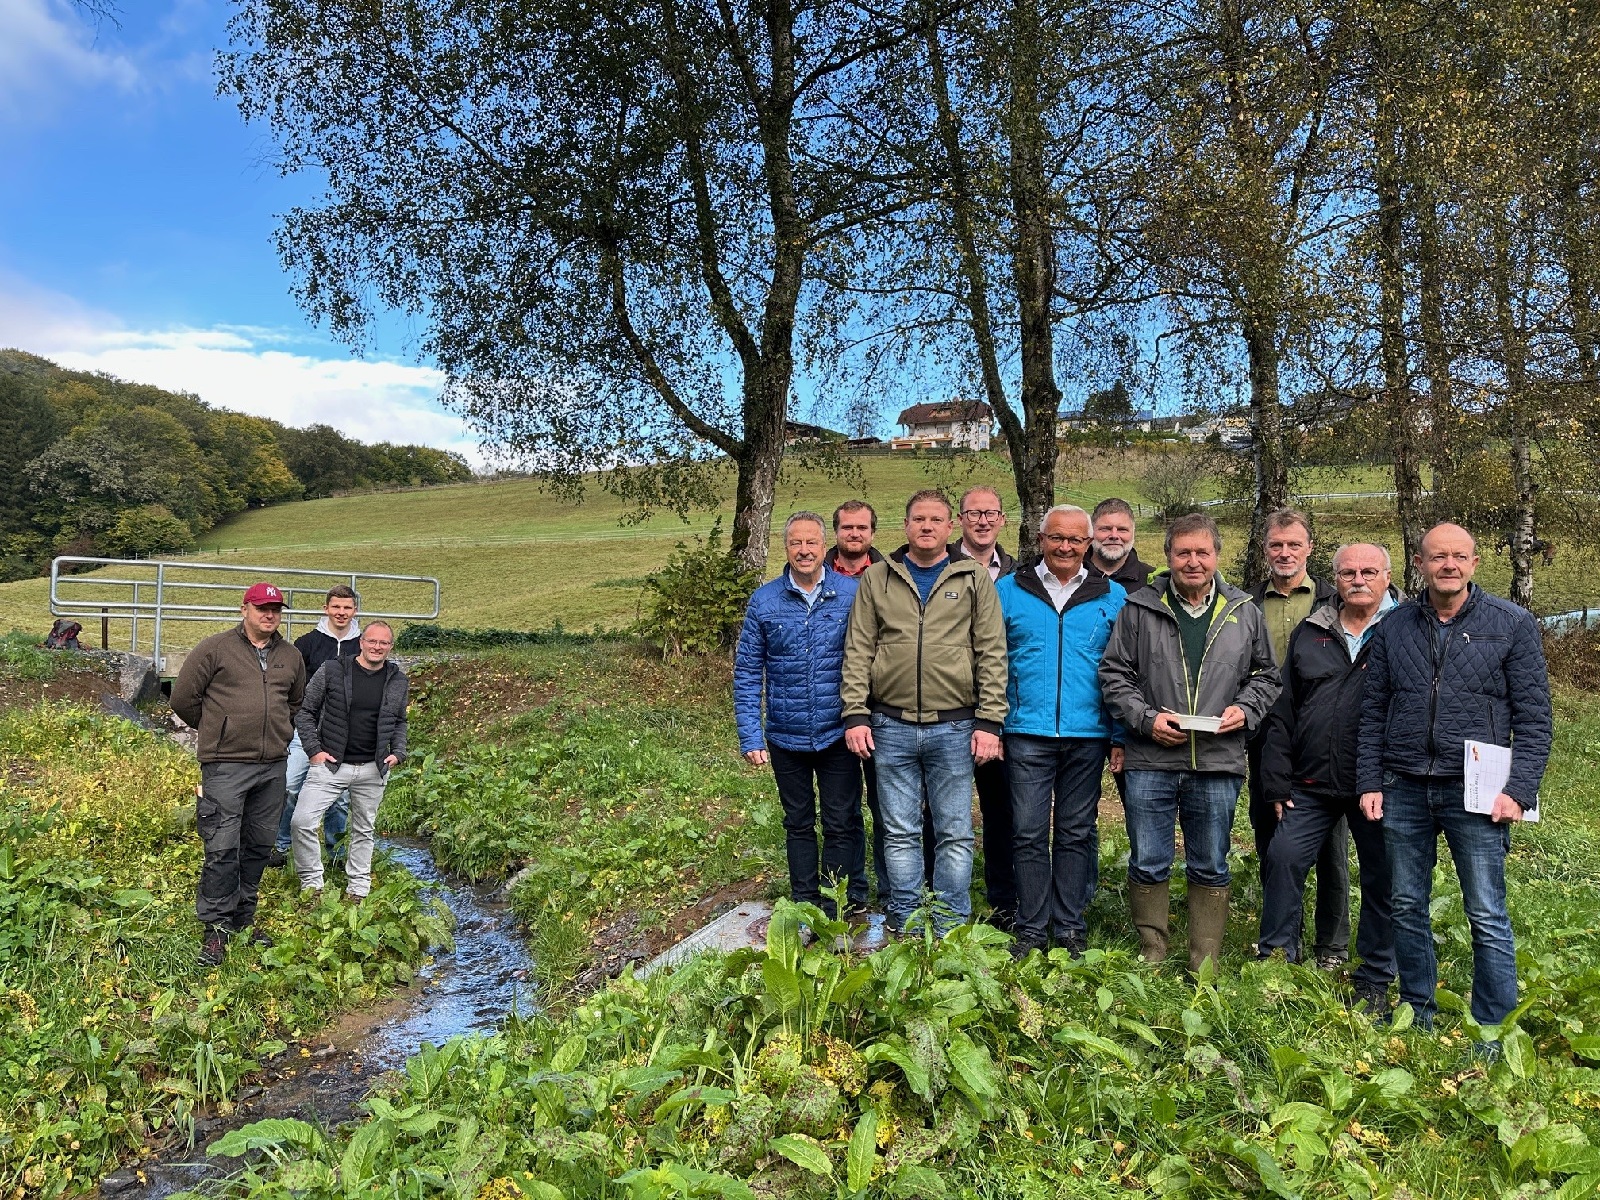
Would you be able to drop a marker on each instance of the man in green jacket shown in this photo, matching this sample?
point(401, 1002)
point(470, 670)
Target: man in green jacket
point(1189, 670)
point(241, 689)
point(924, 691)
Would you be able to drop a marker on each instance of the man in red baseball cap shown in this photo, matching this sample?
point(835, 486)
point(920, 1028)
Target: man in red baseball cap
point(241, 689)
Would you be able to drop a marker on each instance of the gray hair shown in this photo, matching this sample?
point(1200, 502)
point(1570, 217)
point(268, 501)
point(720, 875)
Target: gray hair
point(1383, 550)
point(821, 522)
point(1071, 509)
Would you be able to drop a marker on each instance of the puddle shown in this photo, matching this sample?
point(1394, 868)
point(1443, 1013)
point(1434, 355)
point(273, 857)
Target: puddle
point(473, 989)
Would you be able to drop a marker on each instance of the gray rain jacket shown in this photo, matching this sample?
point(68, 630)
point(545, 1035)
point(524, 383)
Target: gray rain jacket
point(1144, 672)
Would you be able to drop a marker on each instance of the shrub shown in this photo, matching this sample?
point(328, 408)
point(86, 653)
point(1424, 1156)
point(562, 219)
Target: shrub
point(697, 601)
point(424, 637)
point(146, 531)
point(1172, 483)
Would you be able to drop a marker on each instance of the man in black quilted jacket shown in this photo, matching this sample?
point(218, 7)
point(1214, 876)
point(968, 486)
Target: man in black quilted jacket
point(353, 728)
point(1454, 665)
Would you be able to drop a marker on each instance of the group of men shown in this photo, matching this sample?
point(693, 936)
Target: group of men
point(946, 667)
point(291, 738)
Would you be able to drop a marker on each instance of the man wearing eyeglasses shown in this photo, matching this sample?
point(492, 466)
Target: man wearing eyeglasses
point(1058, 732)
point(1455, 664)
point(1286, 597)
point(1308, 768)
point(982, 518)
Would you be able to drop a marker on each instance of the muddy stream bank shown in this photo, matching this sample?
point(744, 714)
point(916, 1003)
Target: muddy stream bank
point(472, 989)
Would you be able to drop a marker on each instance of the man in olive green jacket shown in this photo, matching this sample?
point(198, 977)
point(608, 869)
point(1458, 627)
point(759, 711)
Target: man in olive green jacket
point(1189, 672)
point(924, 693)
point(241, 689)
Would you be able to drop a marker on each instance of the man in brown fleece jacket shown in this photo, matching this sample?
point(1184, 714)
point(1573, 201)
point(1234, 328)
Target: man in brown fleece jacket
point(240, 689)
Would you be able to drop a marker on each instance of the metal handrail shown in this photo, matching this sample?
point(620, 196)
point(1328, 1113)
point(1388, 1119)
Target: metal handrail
point(162, 609)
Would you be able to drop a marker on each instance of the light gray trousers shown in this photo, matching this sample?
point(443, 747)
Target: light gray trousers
point(324, 782)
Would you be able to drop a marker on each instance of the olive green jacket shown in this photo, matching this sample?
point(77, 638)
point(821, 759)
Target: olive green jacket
point(942, 662)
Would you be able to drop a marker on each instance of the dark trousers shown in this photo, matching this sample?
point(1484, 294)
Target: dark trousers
point(1055, 787)
point(1331, 921)
point(237, 818)
point(829, 780)
point(1301, 835)
point(999, 870)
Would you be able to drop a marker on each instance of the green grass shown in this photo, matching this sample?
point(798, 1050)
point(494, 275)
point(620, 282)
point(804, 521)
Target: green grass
point(513, 556)
point(930, 1068)
point(110, 1033)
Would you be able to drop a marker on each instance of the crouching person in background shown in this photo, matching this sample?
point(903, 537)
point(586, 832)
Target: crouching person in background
point(353, 728)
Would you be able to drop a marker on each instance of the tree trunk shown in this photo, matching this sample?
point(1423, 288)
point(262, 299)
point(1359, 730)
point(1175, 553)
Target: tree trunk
point(758, 463)
point(1436, 357)
point(1514, 362)
point(1266, 451)
point(1034, 272)
point(1404, 437)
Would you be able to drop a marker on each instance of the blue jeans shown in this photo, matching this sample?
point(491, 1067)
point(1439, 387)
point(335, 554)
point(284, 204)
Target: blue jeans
point(333, 822)
point(1055, 785)
point(936, 760)
point(1415, 812)
point(1202, 802)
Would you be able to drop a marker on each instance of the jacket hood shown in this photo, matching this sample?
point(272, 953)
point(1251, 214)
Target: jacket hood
point(353, 630)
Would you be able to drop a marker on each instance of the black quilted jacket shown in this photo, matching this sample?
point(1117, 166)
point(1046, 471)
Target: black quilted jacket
point(1430, 687)
point(324, 719)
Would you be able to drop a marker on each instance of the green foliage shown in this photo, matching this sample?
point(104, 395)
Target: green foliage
point(93, 465)
point(145, 532)
point(696, 602)
point(110, 1034)
point(22, 658)
point(1173, 482)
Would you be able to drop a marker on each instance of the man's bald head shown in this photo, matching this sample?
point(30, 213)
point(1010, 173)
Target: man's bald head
point(1447, 558)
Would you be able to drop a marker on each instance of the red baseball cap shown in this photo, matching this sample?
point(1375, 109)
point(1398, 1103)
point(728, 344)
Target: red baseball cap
point(262, 594)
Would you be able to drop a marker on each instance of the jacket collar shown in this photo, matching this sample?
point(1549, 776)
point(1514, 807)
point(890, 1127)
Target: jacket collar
point(1425, 603)
point(826, 583)
point(1026, 574)
point(1327, 616)
point(272, 643)
point(898, 559)
point(1151, 597)
point(958, 553)
point(832, 556)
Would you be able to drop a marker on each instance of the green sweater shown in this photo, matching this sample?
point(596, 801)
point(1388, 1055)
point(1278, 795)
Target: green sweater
point(1192, 630)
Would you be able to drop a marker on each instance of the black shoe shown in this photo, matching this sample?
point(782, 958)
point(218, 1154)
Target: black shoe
point(213, 946)
point(1074, 943)
point(277, 858)
point(1372, 1000)
point(1022, 947)
point(254, 936)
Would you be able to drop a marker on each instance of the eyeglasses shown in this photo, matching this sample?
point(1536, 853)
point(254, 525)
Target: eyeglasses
point(1061, 539)
point(983, 514)
point(1348, 573)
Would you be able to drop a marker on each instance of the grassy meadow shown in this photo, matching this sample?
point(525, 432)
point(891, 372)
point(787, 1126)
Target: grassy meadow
point(511, 555)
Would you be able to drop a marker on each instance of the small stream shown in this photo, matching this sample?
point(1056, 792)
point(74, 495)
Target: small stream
point(473, 989)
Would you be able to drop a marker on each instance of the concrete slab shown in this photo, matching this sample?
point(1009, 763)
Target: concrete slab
point(745, 925)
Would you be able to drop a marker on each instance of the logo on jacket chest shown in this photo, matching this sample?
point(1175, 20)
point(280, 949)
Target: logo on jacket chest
point(952, 595)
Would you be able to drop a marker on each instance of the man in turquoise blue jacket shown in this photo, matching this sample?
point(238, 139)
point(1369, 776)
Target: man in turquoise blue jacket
point(792, 647)
point(1058, 733)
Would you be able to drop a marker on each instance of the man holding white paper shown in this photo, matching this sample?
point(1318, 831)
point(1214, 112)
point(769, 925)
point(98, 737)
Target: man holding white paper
point(1188, 671)
point(1454, 666)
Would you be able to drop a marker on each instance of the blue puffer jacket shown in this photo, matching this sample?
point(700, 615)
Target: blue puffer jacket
point(1053, 684)
point(1430, 687)
point(799, 652)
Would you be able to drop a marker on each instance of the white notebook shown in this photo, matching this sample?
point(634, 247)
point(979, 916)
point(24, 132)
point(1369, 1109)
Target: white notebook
point(1486, 769)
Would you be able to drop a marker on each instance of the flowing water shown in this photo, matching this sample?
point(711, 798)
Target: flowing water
point(472, 989)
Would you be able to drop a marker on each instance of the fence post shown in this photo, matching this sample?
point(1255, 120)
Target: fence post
point(105, 629)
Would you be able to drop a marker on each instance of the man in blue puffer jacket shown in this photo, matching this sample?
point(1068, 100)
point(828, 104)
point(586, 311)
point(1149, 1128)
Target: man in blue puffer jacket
point(1454, 665)
point(793, 644)
point(1058, 618)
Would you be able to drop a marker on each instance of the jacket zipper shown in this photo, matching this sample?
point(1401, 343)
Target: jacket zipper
point(1438, 655)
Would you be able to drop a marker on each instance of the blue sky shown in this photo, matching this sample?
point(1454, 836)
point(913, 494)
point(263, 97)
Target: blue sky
point(136, 219)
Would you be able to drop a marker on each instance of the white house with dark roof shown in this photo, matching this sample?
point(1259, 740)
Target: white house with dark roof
point(949, 425)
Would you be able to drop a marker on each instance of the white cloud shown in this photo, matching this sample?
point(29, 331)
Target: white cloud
point(242, 368)
point(46, 50)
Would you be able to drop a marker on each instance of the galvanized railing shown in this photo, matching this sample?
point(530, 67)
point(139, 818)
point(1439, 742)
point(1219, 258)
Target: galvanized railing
point(158, 592)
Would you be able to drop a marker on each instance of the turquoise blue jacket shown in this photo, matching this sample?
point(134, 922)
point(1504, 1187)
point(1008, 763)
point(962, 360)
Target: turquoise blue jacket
point(1053, 684)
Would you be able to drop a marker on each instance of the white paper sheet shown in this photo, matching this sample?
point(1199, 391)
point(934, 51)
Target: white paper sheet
point(1486, 769)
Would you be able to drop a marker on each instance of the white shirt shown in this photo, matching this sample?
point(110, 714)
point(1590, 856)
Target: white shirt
point(1059, 592)
point(994, 559)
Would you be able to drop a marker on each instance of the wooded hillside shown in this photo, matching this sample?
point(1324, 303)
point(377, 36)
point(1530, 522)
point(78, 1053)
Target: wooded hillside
point(91, 464)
